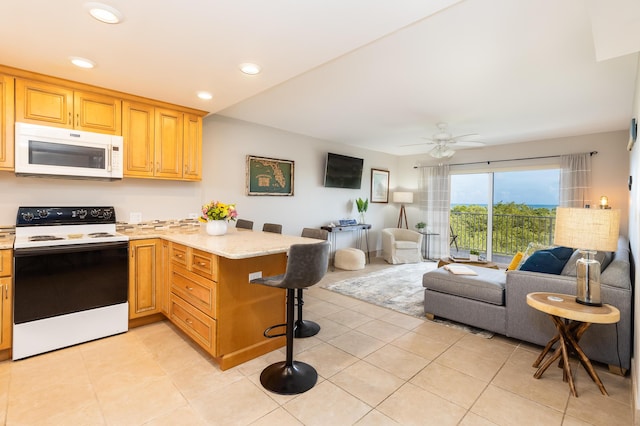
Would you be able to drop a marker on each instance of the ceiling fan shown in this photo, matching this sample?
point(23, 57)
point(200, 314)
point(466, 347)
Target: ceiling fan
point(442, 141)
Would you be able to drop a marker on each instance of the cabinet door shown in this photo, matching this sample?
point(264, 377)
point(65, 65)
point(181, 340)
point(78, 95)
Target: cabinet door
point(5, 312)
point(43, 103)
point(144, 268)
point(138, 134)
point(168, 144)
point(192, 147)
point(97, 113)
point(165, 282)
point(6, 123)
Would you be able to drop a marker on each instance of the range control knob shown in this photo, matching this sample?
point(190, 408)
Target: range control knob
point(107, 213)
point(82, 213)
point(27, 217)
point(95, 212)
point(43, 213)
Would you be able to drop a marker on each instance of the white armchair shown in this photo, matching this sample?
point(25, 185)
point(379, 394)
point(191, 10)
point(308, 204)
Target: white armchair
point(401, 245)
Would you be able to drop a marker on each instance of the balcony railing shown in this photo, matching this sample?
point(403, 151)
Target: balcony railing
point(510, 233)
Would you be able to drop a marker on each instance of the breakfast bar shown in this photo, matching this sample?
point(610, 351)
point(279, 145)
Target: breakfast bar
point(209, 296)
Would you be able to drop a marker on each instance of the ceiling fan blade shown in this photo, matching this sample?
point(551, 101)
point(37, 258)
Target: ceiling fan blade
point(463, 136)
point(469, 144)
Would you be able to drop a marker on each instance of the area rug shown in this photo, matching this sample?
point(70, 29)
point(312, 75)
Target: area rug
point(399, 288)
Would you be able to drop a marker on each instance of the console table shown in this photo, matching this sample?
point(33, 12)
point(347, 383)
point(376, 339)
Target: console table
point(571, 320)
point(359, 228)
point(425, 243)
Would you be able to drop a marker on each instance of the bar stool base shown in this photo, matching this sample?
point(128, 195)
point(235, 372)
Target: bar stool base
point(289, 379)
point(305, 329)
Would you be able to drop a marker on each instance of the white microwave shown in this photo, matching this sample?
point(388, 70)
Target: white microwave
point(55, 151)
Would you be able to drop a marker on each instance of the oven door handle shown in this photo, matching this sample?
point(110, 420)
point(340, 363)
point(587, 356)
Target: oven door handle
point(71, 248)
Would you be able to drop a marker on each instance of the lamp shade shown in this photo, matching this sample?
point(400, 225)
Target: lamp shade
point(590, 229)
point(403, 197)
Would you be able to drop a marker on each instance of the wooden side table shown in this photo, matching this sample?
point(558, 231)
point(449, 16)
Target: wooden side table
point(571, 319)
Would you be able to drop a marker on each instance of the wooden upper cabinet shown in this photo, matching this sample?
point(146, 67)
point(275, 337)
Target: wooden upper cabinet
point(6, 123)
point(192, 147)
point(48, 104)
point(138, 132)
point(97, 113)
point(169, 142)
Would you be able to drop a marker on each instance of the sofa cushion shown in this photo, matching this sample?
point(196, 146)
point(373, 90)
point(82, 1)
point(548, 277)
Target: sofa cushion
point(604, 257)
point(404, 245)
point(531, 248)
point(550, 261)
point(487, 286)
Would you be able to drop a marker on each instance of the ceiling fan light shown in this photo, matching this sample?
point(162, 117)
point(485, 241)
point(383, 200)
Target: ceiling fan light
point(441, 151)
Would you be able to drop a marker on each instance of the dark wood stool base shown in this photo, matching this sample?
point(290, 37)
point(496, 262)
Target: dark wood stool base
point(289, 379)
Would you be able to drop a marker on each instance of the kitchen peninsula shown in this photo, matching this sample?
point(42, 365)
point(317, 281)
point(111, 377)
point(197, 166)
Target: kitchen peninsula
point(201, 283)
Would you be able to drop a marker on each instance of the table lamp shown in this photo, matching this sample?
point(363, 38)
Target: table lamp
point(403, 198)
point(588, 230)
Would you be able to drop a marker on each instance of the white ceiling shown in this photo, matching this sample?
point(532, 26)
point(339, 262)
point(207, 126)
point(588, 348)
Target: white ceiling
point(371, 73)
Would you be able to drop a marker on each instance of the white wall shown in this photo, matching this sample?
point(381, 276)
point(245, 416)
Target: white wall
point(610, 169)
point(227, 142)
point(634, 238)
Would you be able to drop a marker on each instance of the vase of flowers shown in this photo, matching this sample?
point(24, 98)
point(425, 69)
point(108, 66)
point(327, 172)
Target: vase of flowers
point(362, 206)
point(216, 215)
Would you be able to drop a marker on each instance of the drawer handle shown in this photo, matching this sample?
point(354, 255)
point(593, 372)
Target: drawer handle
point(179, 256)
point(189, 288)
point(202, 264)
point(188, 321)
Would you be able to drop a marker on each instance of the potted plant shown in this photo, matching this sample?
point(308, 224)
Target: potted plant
point(420, 226)
point(473, 255)
point(216, 214)
point(362, 206)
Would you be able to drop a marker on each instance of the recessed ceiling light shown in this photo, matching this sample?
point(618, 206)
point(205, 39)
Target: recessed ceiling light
point(205, 95)
point(103, 12)
point(249, 68)
point(82, 62)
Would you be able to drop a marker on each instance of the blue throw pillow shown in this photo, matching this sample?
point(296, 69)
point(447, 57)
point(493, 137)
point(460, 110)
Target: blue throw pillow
point(550, 261)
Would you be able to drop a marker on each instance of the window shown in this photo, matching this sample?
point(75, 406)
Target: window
point(500, 213)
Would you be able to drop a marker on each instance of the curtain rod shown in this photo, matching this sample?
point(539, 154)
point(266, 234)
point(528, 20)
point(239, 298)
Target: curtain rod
point(591, 153)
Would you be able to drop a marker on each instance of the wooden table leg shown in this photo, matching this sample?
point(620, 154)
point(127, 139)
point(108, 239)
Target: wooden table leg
point(567, 376)
point(584, 360)
point(545, 351)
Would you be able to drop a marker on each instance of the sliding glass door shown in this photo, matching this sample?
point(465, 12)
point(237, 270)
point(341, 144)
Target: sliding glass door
point(500, 213)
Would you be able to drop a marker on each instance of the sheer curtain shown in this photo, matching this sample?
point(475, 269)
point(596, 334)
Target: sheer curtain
point(575, 180)
point(435, 204)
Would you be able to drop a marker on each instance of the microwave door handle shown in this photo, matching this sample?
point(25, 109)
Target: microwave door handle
point(109, 158)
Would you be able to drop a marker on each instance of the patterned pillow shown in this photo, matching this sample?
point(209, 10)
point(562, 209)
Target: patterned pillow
point(531, 248)
point(549, 261)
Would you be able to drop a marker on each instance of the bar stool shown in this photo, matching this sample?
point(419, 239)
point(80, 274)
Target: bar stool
point(305, 328)
point(306, 265)
point(272, 227)
point(244, 224)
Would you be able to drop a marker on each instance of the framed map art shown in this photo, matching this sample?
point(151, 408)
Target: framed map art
point(269, 176)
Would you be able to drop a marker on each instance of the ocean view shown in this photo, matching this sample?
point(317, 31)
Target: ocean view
point(533, 206)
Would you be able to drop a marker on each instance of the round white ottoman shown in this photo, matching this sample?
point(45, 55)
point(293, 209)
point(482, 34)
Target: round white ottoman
point(350, 259)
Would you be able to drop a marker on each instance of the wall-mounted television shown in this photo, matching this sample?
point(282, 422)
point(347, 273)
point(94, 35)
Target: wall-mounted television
point(342, 171)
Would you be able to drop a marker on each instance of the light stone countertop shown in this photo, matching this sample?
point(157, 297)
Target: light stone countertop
point(6, 241)
point(235, 244)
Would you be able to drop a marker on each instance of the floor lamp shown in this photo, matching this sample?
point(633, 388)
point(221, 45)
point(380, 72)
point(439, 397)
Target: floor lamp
point(403, 198)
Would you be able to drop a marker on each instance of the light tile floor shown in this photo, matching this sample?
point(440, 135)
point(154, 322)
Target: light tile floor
point(376, 367)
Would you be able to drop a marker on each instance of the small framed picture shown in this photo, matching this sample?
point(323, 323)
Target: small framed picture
point(269, 176)
point(379, 186)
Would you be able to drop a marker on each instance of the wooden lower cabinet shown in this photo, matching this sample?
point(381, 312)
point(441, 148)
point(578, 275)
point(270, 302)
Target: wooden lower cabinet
point(6, 305)
point(145, 263)
point(212, 301)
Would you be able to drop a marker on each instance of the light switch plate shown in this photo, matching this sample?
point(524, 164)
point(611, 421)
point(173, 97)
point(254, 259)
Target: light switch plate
point(255, 275)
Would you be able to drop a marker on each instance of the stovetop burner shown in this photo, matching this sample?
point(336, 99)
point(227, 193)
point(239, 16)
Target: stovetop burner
point(100, 234)
point(44, 238)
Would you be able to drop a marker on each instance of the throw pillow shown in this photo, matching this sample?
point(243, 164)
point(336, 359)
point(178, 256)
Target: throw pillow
point(515, 261)
point(548, 261)
point(531, 248)
point(604, 257)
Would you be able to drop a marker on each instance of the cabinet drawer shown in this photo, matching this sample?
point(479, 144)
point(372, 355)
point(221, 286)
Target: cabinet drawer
point(6, 258)
point(196, 290)
point(204, 264)
point(197, 325)
point(178, 254)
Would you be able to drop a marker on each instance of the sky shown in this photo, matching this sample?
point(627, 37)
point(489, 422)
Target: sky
point(521, 187)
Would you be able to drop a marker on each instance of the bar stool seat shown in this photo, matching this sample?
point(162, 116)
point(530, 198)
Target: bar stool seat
point(306, 265)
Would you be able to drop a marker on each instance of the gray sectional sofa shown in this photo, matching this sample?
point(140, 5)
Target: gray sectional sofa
point(495, 300)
